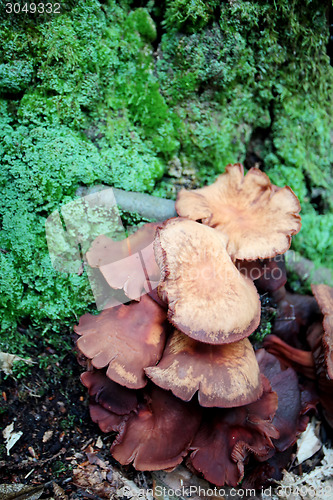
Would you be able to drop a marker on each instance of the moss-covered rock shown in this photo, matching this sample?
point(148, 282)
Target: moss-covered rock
point(148, 98)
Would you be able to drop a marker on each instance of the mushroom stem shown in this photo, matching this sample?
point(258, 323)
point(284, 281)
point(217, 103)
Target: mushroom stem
point(297, 358)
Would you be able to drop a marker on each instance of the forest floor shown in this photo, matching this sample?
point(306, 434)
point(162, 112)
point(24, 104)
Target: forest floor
point(60, 453)
point(50, 448)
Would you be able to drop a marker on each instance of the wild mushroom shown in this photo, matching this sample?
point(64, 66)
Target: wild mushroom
point(301, 360)
point(158, 435)
point(209, 299)
point(316, 363)
point(290, 419)
point(106, 420)
point(320, 339)
point(127, 264)
point(108, 394)
point(224, 375)
point(125, 339)
point(295, 313)
point(227, 436)
point(214, 308)
point(324, 297)
point(111, 403)
point(269, 275)
point(257, 217)
point(154, 428)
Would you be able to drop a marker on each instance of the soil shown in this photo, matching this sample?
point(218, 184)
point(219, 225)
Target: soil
point(60, 447)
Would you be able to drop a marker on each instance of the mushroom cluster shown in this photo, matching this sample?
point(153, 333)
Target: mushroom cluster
point(315, 359)
point(172, 372)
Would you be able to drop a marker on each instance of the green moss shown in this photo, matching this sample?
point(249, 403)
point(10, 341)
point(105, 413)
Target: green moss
point(188, 15)
point(91, 96)
point(131, 170)
point(315, 239)
point(15, 76)
point(303, 145)
point(211, 137)
point(283, 175)
point(41, 168)
point(140, 20)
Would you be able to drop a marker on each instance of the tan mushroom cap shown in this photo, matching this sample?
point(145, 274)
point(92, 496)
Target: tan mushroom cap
point(258, 217)
point(128, 264)
point(225, 376)
point(209, 299)
point(126, 339)
point(324, 297)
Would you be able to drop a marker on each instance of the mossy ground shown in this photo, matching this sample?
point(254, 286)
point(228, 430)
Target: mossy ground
point(142, 96)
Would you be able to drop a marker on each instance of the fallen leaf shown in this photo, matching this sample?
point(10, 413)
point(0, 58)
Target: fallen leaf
point(128, 489)
point(99, 442)
point(10, 436)
point(59, 492)
point(308, 443)
point(7, 360)
point(317, 483)
point(93, 479)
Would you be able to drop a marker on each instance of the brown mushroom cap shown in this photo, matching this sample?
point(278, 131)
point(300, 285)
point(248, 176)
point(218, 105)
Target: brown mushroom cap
point(128, 264)
point(258, 217)
point(324, 297)
point(111, 396)
point(227, 437)
point(224, 375)
point(295, 313)
point(209, 299)
point(269, 274)
point(127, 339)
point(289, 418)
point(110, 403)
point(159, 434)
point(106, 420)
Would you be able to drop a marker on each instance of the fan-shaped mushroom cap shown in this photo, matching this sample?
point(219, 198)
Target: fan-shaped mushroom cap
point(110, 403)
point(227, 437)
point(324, 297)
point(295, 313)
point(224, 375)
point(289, 418)
point(108, 394)
point(320, 339)
point(128, 264)
point(321, 361)
point(209, 299)
point(159, 434)
point(127, 339)
point(106, 420)
point(257, 217)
